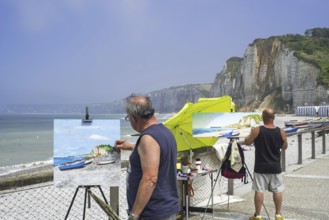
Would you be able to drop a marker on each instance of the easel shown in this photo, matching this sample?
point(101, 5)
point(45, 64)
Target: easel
point(114, 191)
point(232, 139)
point(87, 187)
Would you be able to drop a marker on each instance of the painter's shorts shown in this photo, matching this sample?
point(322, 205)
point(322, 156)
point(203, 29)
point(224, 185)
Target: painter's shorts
point(271, 182)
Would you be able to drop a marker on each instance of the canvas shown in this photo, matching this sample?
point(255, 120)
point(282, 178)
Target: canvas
point(84, 153)
point(224, 124)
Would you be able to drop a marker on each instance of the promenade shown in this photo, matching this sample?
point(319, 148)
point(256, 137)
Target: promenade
point(306, 195)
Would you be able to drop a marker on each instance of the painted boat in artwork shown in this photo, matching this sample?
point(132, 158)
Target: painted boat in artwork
point(72, 165)
point(228, 134)
point(104, 162)
point(88, 161)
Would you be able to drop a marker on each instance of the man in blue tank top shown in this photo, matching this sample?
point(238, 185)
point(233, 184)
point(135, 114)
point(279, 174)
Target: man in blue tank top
point(152, 182)
point(268, 140)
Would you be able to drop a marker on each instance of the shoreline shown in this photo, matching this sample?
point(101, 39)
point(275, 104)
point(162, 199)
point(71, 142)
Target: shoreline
point(27, 177)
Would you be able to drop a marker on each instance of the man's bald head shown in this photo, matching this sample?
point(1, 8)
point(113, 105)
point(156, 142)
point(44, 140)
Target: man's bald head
point(268, 115)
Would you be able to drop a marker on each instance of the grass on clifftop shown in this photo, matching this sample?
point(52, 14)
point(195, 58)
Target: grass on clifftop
point(314, 50)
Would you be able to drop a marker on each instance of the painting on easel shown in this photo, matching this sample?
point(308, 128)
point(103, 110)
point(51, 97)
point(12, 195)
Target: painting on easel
point(84, 153)
point(224, 124)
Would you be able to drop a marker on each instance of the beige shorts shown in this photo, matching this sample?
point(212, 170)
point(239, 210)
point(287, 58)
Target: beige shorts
point(270, 182)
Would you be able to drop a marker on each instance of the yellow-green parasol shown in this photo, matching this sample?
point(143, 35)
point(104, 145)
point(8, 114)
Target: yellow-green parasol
point(181, 123)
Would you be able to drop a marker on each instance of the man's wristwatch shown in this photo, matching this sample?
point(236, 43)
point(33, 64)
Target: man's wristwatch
point(133, 216)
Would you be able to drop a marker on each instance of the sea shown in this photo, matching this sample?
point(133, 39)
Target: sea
point(26, 140)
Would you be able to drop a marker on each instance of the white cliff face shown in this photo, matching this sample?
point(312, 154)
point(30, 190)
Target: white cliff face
point(268, 66)
point(173, 99)
point(249, 74)
point(258, 71)
point(168, 100)
point(299, 80)
point(286, 65)
point(229, 81)
point(227, 84)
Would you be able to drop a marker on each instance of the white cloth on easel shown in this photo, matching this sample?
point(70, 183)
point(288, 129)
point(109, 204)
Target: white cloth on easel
point(235, 158)
point(220, 148)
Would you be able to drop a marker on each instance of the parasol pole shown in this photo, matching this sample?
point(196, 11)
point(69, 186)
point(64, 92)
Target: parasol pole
point(191, 152)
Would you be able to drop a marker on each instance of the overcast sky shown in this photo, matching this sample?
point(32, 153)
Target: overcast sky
point(82, 52)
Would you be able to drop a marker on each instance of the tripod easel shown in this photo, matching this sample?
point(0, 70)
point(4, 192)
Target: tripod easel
point(232, 139)
point(87, 187)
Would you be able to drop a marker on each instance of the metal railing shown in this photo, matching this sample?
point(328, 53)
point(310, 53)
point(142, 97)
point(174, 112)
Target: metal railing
point(322, 131)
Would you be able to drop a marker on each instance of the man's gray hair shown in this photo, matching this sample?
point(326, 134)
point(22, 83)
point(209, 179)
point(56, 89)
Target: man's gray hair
point(139, 106)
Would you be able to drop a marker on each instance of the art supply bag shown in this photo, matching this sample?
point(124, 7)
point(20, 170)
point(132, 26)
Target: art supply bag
point(233, 163)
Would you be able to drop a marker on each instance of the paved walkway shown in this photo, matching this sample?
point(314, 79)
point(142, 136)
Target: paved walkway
point(306, 195)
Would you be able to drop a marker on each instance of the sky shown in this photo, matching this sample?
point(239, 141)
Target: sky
point(71, 138)
point(84, 52)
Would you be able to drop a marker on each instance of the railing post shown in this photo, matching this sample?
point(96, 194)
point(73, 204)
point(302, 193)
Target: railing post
point(313, 144)
point(324, 150)
point(114, 198)
point(230, 186)
point(283, 160)
point(300, 149)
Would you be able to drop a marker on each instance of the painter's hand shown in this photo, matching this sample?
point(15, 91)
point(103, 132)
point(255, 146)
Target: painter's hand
point(123, 145)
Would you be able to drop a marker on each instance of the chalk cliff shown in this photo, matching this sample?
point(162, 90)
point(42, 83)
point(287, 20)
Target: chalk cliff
point(173, 99)
point(269, 68)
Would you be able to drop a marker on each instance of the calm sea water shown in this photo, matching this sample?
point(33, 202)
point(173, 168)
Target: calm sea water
point(27, 140)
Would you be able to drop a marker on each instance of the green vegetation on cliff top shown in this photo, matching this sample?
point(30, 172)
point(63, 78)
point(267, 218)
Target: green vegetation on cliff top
point(106, 147)
point(312, 48)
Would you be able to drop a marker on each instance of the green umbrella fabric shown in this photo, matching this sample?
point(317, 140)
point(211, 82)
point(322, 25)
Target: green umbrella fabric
point(181, 123)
